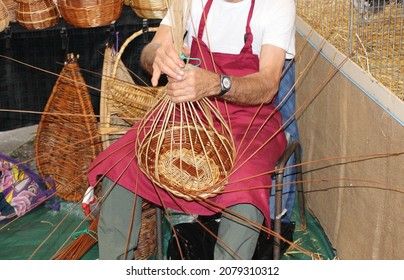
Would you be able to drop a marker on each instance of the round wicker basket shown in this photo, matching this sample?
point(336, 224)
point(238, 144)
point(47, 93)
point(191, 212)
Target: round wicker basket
point(132, 100)
point(90, 13)
point(36, 14)
point(4, 19)
point(11, 7)
point(154, 9)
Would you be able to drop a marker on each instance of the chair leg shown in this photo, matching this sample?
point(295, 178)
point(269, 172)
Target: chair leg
point(277, 215)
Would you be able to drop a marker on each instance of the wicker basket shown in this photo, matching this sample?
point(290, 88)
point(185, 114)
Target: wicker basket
point(4, 19)
point(190, 162)
point(36, 14)
point(90, 13)
point(147, 243)
point(67, 138)
point(11, 7)
point(154, 9)
point(131, 100)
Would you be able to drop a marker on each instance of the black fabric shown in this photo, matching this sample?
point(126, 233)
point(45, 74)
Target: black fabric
point(28, 89)
point(193, 242)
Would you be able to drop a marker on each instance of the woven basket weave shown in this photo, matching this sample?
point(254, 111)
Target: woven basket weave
point(11, 7)
point(190, 162)
point(67, 138)
point(147, 243)
point(154, 9)
point(132, 100)
point(90, 13)
point(4, 16)
point(36, 14)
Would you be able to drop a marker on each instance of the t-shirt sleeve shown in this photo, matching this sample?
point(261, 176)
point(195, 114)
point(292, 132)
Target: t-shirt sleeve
point(279, 27)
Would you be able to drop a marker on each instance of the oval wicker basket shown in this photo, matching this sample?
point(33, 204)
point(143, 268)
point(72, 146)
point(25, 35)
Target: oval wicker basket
point(90, 13)
point(36, 14)
point(132, 100)
point(11, 7)
point(154, 9)
point(4, 16)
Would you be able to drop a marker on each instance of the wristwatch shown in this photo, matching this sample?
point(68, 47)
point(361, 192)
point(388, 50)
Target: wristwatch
point(225, 85)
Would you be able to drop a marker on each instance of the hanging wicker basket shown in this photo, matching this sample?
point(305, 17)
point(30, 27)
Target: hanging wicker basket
point(36, 14)
point(11, 7)
point(131, 100)
point(67, 138)
point(4, 18)
point(90, 13)
point(154, 9)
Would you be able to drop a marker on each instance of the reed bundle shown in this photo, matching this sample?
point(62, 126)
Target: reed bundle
point(187, 148)
point(4, 18)
point(36, 14)
point(67, 138)
point(90, 13)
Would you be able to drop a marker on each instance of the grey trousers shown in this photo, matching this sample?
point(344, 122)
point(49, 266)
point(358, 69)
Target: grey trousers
point(118, 232)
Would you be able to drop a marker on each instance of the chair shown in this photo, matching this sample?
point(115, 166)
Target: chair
point(292, 148)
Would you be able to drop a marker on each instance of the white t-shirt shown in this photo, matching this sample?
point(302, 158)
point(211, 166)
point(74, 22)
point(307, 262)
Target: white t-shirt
point(273, 23)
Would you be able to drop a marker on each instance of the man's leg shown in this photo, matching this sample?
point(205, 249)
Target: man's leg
point(115, 220)
point(240, 236)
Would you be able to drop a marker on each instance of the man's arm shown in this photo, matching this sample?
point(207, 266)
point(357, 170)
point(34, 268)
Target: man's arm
point(253, 89)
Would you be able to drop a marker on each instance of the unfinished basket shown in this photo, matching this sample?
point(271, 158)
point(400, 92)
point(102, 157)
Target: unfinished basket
point(4, 19)
point(90, 13)
point(154, 9)
point(67, 138)
point(11, 7)
point(129, 100)
point(36, 14)
point(187, 160)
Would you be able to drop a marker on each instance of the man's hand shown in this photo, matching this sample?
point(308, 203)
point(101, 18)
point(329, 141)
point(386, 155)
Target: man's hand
point(195, 84)
point(167, 61)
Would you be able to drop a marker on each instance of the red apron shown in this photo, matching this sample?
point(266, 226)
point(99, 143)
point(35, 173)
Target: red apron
point(118, 162)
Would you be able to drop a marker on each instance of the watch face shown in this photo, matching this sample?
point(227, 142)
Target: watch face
point(226, 82)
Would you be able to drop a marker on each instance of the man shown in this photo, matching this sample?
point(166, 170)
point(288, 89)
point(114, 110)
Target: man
point(242, 46)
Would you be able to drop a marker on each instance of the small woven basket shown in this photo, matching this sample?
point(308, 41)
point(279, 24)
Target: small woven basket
point(67, 139)
point(147, 243)
point(11, 7)
point(132, 100)
point(36, 14)
point(154, 9)
point(90, 13)
point(4, 16)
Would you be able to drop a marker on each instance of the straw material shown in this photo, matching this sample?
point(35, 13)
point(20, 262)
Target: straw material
point(153, 9)
point(34, 14)
point(131, 100)
point(90, 13)
point(4, 19)
point(11, 7)
point(67, 138)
